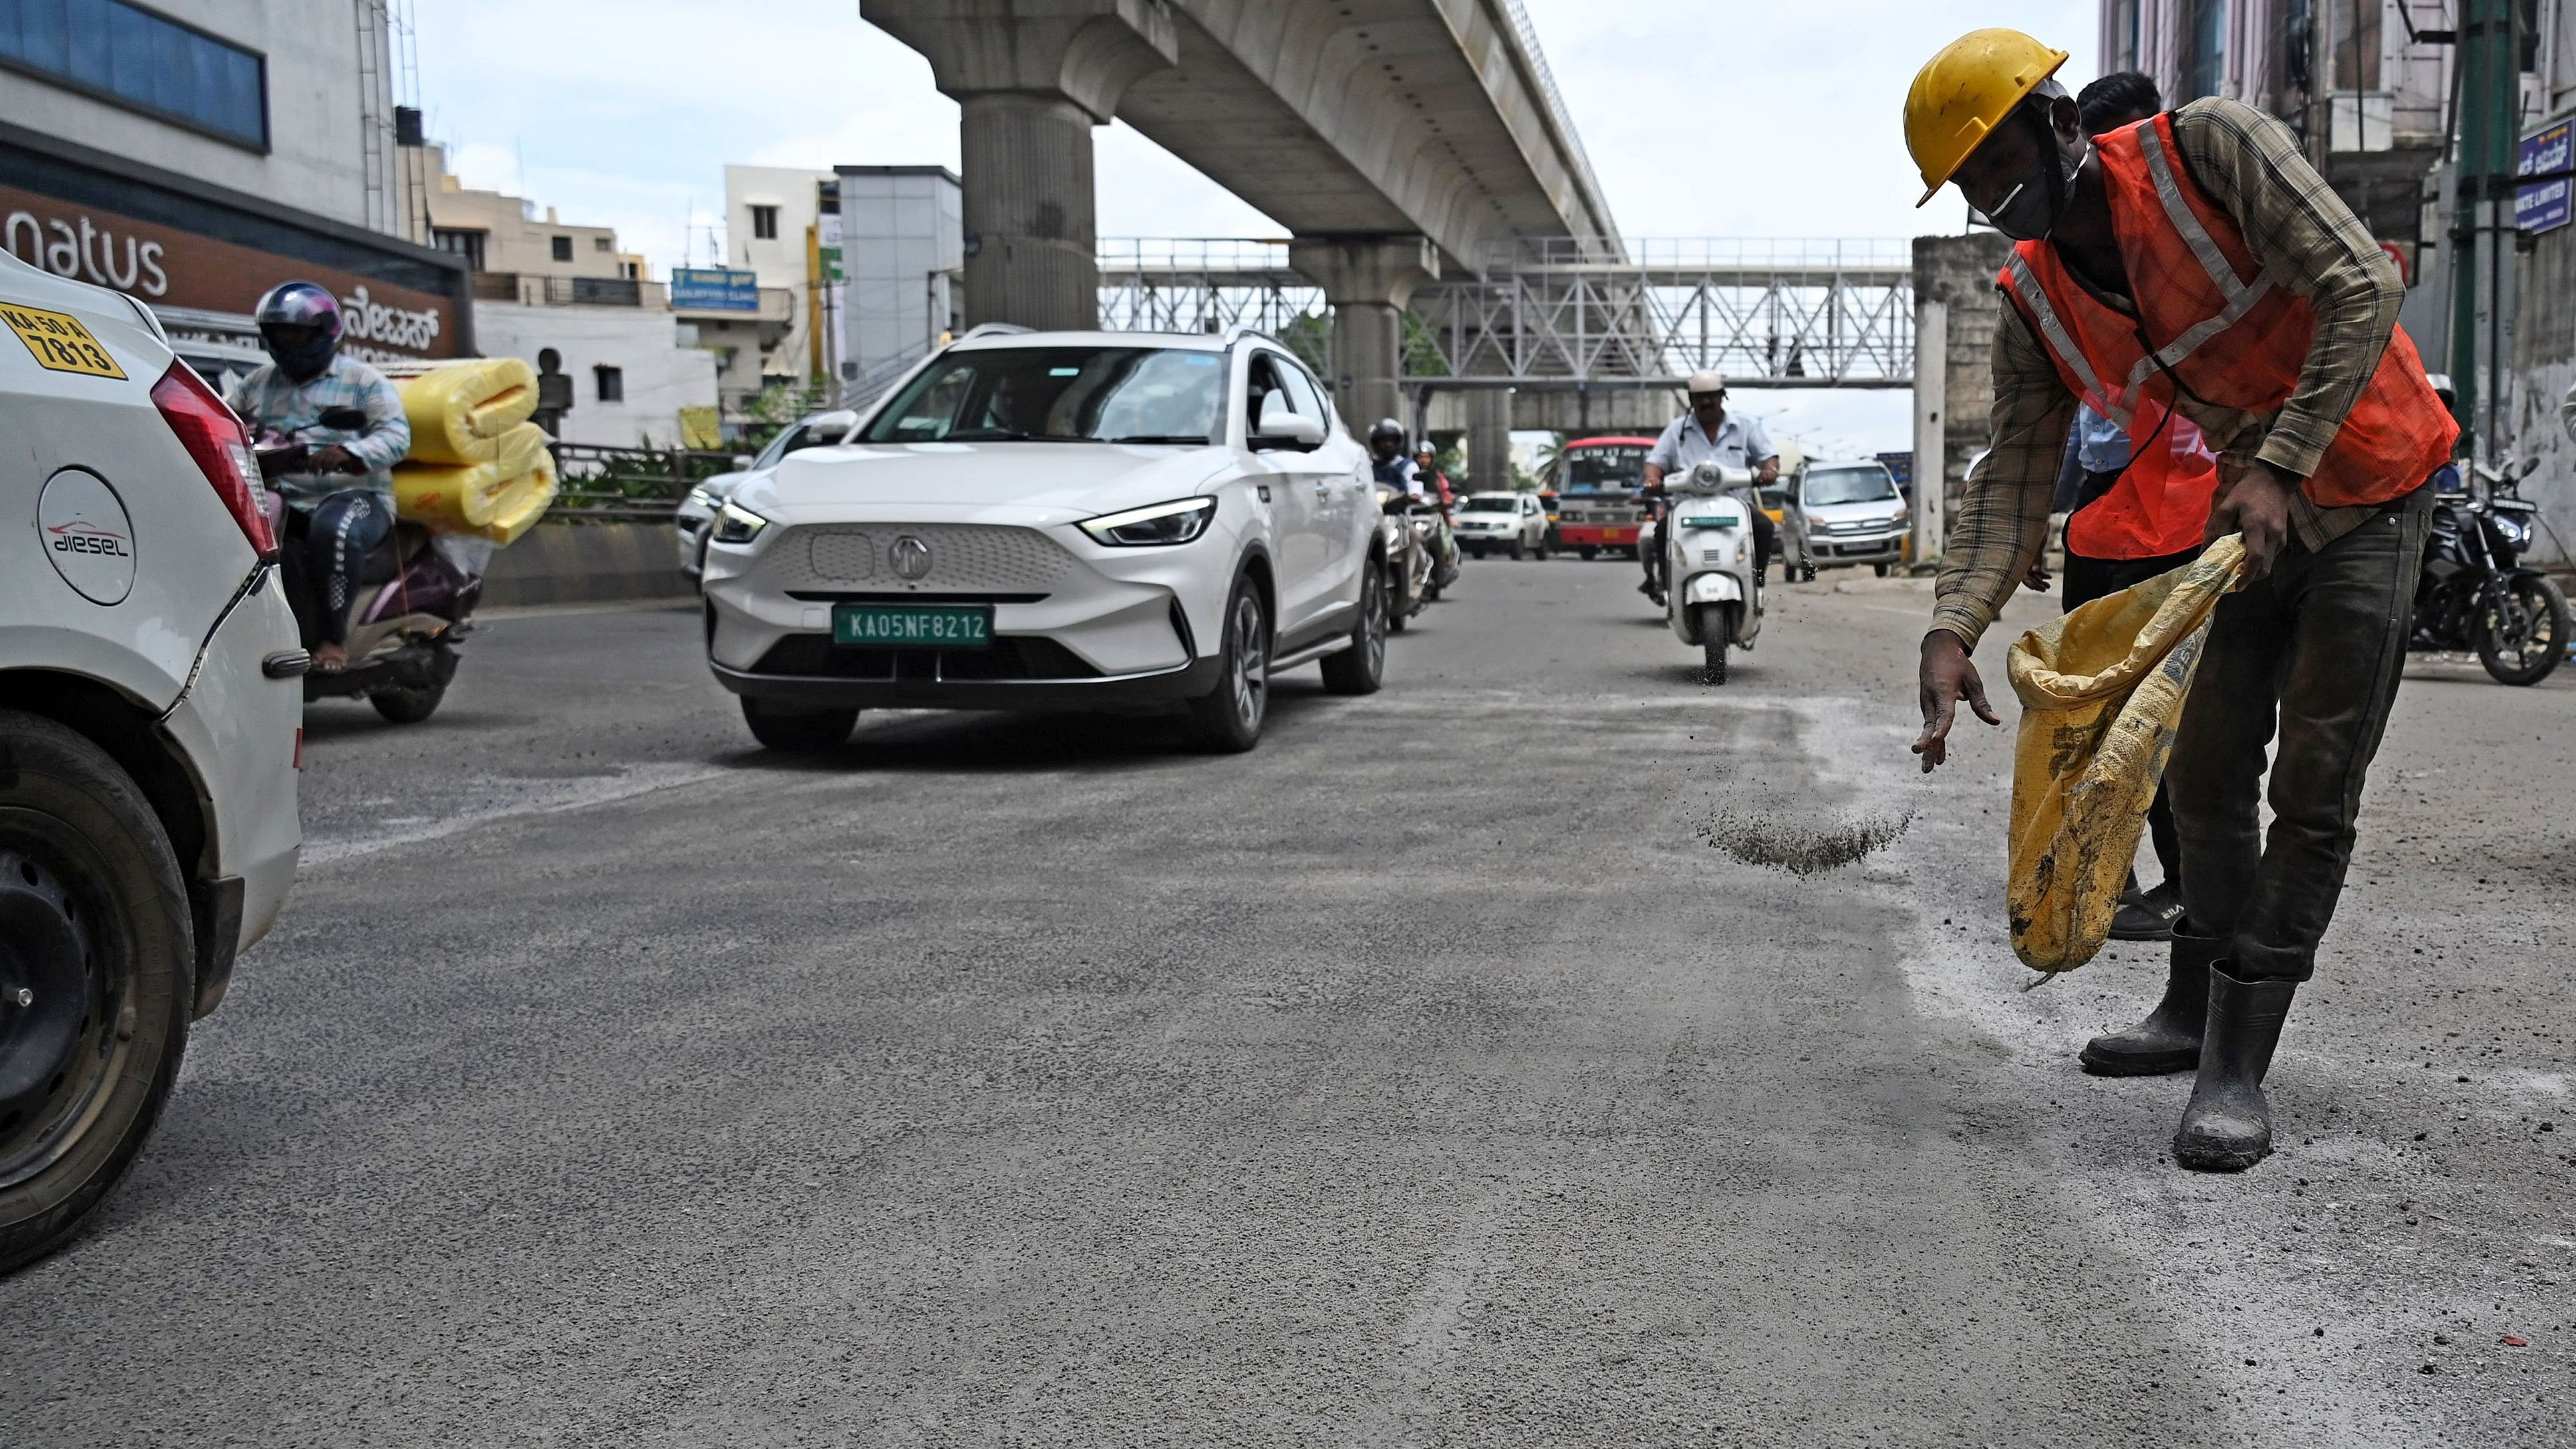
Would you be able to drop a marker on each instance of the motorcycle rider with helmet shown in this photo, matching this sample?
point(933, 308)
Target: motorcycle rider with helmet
point(347, 428)
point(1392, 469)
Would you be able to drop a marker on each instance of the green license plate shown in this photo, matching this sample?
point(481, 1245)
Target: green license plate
point(897, 625)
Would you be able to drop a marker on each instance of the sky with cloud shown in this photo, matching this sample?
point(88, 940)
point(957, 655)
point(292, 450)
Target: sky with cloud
point(1702, 118)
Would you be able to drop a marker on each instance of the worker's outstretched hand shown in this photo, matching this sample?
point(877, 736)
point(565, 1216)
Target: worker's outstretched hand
point(2258, 506)
point(1948, 676)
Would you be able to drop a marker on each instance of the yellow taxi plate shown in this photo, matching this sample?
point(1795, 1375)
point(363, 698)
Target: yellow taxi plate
point(60, 342)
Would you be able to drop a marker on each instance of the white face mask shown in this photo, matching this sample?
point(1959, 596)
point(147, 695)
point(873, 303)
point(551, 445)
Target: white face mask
point(2029, 212)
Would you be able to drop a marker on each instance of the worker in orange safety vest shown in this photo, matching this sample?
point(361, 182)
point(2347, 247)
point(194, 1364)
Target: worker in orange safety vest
point(2194, 263)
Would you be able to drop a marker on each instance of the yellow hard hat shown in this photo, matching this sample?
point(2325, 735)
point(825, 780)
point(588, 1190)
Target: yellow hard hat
point(1965, 92)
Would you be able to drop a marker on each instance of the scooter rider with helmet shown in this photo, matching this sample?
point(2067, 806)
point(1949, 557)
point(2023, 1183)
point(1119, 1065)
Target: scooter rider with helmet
point(1708, 432)
point(1388, 463)
point(338, 485)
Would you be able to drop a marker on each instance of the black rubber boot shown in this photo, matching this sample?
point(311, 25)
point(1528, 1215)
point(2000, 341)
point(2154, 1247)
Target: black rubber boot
point(2169, 1039)
point(2228, 1126)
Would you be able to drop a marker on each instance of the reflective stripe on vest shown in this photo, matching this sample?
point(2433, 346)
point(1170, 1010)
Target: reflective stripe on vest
point(2241, 296)
point(2071, 358)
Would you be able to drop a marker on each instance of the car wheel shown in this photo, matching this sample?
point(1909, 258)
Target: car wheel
point(1882, 569)
point(1587, 552)
point(97, 961)
point(798, 731)
point(1361, 668)
point(1228, 717)
point(1519, 553)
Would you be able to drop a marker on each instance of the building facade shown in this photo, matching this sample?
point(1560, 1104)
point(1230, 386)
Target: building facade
point(194, 153)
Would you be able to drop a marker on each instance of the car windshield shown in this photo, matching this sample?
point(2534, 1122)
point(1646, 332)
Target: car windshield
point(1060, 394)
point(1828, 486)
point(1494, 503)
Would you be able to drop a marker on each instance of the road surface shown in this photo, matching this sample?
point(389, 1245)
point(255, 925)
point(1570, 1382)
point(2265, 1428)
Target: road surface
point(1435, 1074)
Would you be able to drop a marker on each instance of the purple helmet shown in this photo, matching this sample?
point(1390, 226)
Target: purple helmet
point(300, 304)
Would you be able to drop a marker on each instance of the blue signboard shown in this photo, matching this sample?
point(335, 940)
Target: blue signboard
point(2544, 207)
point(714, 289)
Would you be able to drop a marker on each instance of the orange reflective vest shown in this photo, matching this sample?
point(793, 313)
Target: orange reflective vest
point(2222, 334)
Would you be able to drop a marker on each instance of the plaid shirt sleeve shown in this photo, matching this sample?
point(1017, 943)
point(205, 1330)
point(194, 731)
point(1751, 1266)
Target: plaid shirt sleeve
point(387, 437)
point(2310, 242)
point(2002, 522)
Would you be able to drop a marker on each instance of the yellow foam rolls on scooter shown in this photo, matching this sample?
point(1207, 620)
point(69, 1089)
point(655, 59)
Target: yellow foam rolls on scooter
point(472, 497)
point(2102, 691)
point(460, 411)
point(521, 502)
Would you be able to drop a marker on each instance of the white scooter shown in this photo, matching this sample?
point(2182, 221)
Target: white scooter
point(1712, 590)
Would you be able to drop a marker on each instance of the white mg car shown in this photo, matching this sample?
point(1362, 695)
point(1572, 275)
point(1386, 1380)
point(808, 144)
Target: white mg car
point(150, 713)
point(1055, 521)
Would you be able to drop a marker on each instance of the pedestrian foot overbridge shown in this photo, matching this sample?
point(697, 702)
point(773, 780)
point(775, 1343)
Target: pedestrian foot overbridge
point(1551, 334)
point(1399, 141)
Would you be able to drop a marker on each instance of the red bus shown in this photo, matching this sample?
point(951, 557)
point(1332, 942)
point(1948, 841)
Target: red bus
point(1596, 490)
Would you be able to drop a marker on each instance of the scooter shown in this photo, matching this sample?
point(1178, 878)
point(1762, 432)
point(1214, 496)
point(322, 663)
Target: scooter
point(1712, 590)
point(414, 603)
point(1407, 540)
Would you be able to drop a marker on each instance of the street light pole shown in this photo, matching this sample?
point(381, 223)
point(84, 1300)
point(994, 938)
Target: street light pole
point(2489, 57)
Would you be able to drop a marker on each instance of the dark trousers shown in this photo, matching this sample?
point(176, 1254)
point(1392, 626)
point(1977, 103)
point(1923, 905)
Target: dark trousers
point(326, 551)
point(2087, 579)
point(2315, 650)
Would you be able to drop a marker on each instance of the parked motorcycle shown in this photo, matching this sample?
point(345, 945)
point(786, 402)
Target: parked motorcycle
point(1711, 587)
point(414, 603)
point(2474, 592)
point(1408, 538)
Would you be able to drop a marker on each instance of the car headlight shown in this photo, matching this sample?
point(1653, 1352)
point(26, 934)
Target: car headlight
point(1155, 525)
point(699, 497)
point(737, 524)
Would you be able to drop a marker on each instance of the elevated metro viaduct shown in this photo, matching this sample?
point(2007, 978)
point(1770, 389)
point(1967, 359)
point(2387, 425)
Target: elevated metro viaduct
point(1397, 140)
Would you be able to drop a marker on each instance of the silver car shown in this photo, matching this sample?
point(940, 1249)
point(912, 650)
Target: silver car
point(1853, 514)
point(698, 510)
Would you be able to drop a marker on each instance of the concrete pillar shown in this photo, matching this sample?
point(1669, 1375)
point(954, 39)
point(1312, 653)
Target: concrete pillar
point(1489, 439)
point(1959, 273)
point(1931, 406)
point(1368, 281)
point(1031, 78)
point(1028, 212)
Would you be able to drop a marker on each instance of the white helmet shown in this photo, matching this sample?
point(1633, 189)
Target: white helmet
point(1706, 380)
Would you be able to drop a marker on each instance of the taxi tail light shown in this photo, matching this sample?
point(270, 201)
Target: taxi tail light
point(221, 448)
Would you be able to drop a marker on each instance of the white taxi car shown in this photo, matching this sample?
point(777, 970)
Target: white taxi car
point(1512, 523)
point(1056, 521)
point(150, 713)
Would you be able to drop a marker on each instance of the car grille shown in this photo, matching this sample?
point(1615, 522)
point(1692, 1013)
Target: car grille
point(964, 558)
point(1011, 657)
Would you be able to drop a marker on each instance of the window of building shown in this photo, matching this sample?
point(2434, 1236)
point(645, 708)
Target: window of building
point(764, 223)
point(563, 248)
point(2205, 66)
point(600, 244)
point(466, 244)
point(2124, 35)
point(134, 57)
point(612, 383)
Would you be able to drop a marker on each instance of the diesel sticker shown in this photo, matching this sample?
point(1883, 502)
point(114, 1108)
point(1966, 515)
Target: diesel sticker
point(60, 342)
point(87, 536)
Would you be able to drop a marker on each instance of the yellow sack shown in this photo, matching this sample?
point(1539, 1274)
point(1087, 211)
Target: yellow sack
point(2101, 692)
point(466, 497)
point(460, 411)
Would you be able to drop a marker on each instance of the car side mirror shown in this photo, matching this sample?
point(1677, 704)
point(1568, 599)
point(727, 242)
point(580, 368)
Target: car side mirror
point(742, 462)
point(1281, 428)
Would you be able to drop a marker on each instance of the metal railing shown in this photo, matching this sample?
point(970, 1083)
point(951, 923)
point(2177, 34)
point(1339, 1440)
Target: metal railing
point(1527, 34)
point(629, 485)
point(535, 291)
